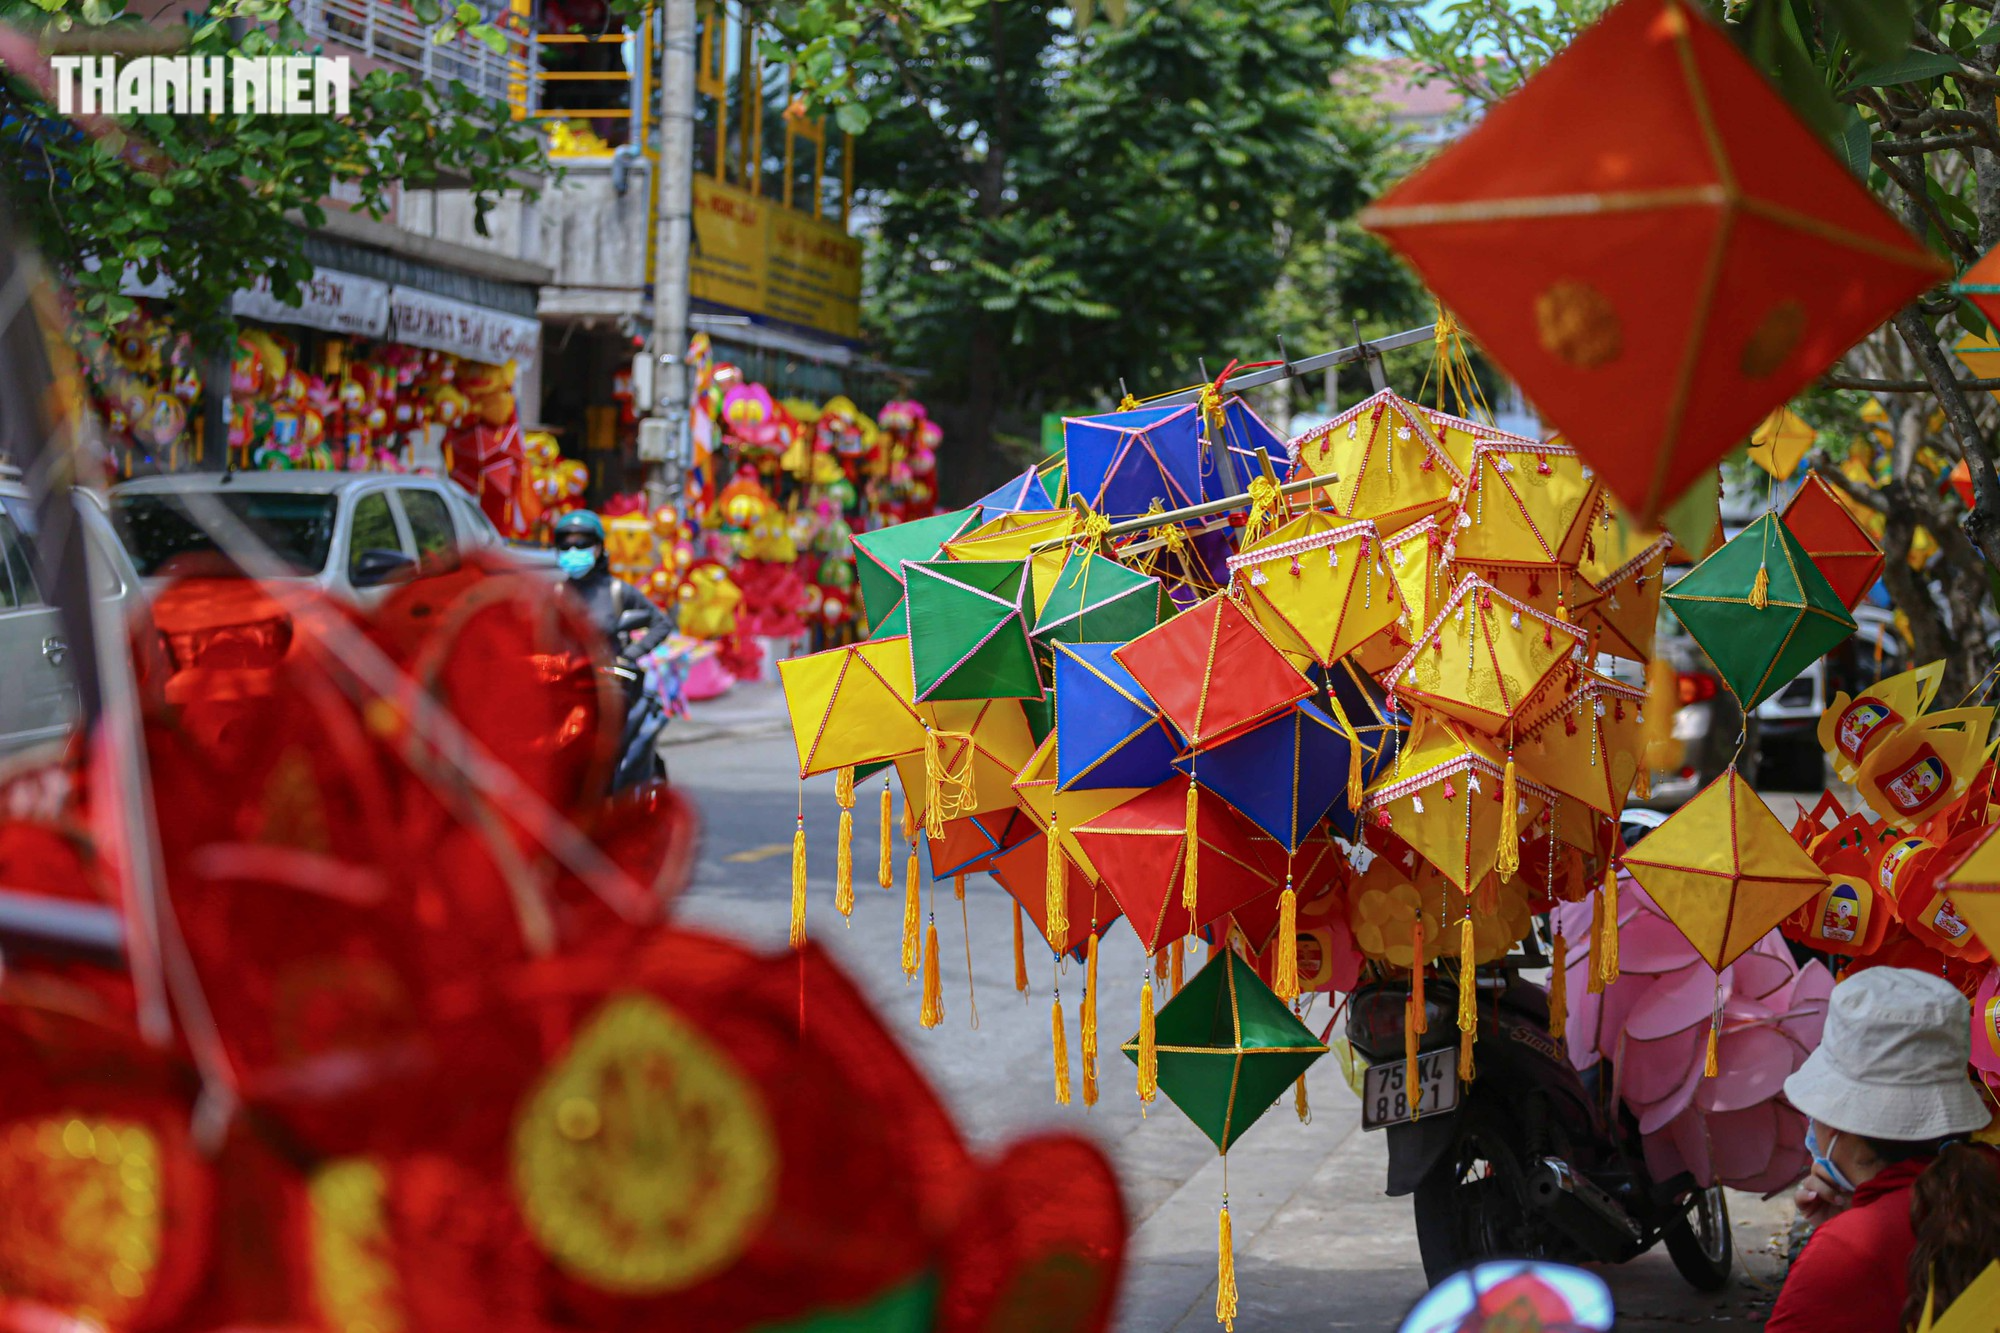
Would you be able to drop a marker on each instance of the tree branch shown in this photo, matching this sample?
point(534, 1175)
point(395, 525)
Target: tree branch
point(1982, 525)
point(1835, 380)
point(1922, 199)
point(1866, 496)
point(1937, 144)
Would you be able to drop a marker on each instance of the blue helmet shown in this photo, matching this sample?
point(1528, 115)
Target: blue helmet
point(581, 520)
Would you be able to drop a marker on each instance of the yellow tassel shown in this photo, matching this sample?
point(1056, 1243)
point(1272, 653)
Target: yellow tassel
point(958, 886)
point(1160, 966)
point(932, 1012)
point(1594, 973)
point(1225, 1271)
point(1508, 860)
point(1020, 951)
point(1413, 1023)
point(1149, 1049)
point(1089, 1022)
point(1287, 969)
point(1468, 971)
point(1299, 1102)
point(1559, 990)
point(1607, 942)
point(1177, 960)
point(1465, 1070)
point(1055, 880)
point(886, 873)
point(912, 915)
point(909, 819)
point(1417, 975)
point(1354, 787)
point(1193, 854)
point(1060, 1040)
point(1708, 1066)
point(933, 785)
point(843, 787)
point(1644, 788)
point(799, 884)
point(1760, 588)
point(843, 875)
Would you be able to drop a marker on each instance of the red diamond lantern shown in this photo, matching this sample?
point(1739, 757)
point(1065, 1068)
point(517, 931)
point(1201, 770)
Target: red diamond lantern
point(1653, 245)
point(1835, 540)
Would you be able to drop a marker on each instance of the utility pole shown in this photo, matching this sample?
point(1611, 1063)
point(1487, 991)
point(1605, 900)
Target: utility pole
point(667, 459)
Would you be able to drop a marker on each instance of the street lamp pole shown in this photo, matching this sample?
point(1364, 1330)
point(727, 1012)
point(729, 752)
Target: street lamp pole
point(664, 448)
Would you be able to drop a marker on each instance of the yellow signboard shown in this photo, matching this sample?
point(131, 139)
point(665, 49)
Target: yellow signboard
point(752, 255)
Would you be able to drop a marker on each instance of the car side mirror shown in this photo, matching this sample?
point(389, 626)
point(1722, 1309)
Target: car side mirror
point(374, 566)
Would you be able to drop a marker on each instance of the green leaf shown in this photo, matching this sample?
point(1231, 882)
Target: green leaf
point(852, 117)
point(1974, 319)
point(1879, 29)
point(1990, 37)
point(494, 39)
point(1907, 68)
point(1851, 145)
point(427, 11)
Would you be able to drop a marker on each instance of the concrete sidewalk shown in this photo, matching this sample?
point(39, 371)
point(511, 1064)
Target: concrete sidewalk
point(1319, 1246)
point(752, 708)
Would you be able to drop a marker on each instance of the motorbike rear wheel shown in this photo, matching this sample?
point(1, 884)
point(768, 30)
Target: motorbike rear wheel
point(1700, 1244)
point(1470, 1206)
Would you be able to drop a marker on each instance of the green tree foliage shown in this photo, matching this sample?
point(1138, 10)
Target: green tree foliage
point(1904, 92)
point(215, 202)
point(1055, 210)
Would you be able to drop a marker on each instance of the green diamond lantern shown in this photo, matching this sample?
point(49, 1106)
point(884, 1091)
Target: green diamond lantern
point(879, 557)
point(1760, 609)
point(1100, 601)
point(1228, 1048)
point(969, 629)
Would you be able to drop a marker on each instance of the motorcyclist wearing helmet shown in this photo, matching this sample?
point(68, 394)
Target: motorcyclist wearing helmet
point(579, 541)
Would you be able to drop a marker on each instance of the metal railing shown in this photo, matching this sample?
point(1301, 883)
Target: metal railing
point(391, 34)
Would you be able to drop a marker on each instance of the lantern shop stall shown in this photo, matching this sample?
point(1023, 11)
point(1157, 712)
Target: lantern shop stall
point(360, 375)
point(762, 564)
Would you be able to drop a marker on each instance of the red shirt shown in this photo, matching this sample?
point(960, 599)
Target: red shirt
point(1850, 1278)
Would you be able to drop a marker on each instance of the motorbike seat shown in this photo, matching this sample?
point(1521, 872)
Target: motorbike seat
point(1528, 1000)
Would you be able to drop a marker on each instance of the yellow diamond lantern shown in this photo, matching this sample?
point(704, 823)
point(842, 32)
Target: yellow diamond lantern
point(1724, 870)
point(1415, 559)
point(1380, 461)
point(1529, 505)
point(1587, 742)
point(1318, 586)
point(1485, 657)
point(1443, 797)
point(987, 741)
point(852, 705)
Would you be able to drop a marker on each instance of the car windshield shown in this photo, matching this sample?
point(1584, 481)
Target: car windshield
point(296, 525)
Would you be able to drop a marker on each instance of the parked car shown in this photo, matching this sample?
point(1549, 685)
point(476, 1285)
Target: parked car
point(38, 701)
point(355, 534)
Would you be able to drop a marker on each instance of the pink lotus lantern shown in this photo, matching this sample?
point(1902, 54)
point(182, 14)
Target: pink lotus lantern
point(1734, 1129)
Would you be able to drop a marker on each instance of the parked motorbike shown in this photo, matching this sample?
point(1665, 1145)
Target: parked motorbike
point(638, 742)
point(1530, 1159)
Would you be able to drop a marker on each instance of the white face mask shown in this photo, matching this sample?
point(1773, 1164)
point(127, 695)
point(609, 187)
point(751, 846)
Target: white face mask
point(1825, 1162)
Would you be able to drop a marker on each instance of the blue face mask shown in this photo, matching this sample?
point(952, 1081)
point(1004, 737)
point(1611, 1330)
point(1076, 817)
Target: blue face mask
point(576, 562)
point(1824, 1162)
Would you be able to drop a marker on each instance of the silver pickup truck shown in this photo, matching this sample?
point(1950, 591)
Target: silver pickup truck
point(355, 534)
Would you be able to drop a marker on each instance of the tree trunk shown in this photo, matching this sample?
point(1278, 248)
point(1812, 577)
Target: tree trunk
point(215, 410)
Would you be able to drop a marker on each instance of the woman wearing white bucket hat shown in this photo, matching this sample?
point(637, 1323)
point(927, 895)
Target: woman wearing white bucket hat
point(1908, 1204)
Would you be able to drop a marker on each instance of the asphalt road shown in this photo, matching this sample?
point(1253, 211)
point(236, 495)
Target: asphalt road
point(1318, 1244)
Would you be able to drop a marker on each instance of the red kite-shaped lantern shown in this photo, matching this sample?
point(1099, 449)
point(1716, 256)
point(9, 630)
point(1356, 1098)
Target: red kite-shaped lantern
point(1213, 672)
point(1653, 245)
point(1835, 540)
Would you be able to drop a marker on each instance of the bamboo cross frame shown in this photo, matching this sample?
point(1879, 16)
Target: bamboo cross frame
point(1361, 351)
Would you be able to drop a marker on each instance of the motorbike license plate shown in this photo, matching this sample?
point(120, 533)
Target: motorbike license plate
point(1385, 1098)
